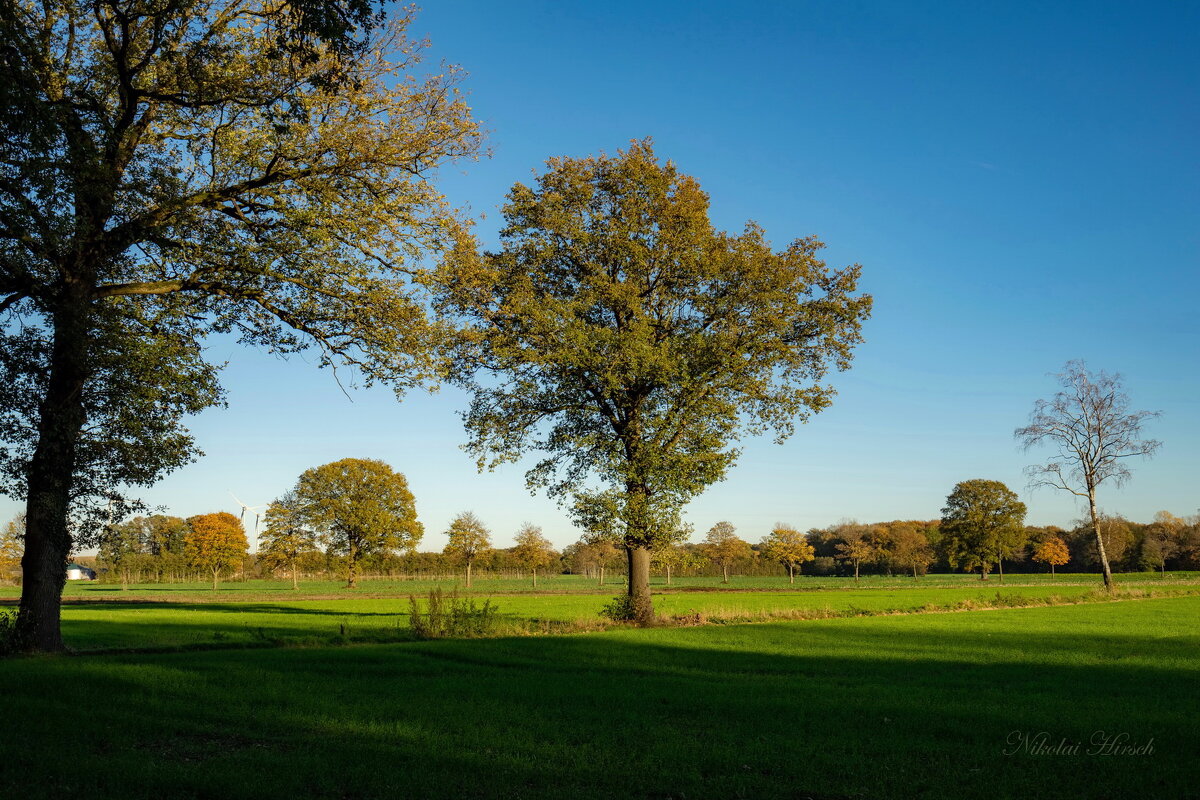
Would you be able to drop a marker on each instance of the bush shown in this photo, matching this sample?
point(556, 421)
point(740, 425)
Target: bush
point(620, 609)
point(451, 616)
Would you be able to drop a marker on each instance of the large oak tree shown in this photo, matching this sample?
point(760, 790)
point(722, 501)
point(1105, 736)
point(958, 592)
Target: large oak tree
point(632, 344)
point(170, 169)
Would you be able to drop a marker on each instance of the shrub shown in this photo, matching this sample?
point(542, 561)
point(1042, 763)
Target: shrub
point(451, 616)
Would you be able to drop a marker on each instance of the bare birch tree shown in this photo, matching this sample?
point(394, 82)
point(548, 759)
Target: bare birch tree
point(1094, 432)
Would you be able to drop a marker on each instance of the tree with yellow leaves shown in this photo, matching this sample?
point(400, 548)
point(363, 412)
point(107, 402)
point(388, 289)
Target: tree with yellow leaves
point(533, 550)
point(789, 547)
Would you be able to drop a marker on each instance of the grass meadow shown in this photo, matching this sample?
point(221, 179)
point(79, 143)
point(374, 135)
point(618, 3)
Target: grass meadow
point(864, 705)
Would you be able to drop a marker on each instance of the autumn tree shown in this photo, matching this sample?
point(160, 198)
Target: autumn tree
point(1094, 434)
point(632, 344)
point(983, 522)
point(12, 544)
point(358, 507)
point(909, 547)
point(722, 547)
point(533, 550)
point(174, 170)
point(1053, 551)
point(286, 538)
point(856, 549)
point(789, 547)
point(215, 542)
point(468, 540)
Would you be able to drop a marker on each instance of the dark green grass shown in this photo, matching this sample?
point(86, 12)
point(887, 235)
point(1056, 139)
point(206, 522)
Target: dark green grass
point(875, 707)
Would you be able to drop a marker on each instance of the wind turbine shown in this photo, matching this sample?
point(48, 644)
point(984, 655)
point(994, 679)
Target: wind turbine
point(257, 513)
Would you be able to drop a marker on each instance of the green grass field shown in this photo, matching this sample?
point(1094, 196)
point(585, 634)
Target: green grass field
point(924, 705)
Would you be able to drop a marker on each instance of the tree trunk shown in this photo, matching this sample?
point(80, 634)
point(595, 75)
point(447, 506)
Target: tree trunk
point(914, 572)
point(791, 575)
point(1000, 568)
point(468, 573)
point(61, 417)
point(295, 578)
point(725, 573)
point(856, 572)
point(639, 584)
point(1108, 578)
point(668, 574)
point(601, 574)
point(351, 577)
point(216, 571)
point(534, 577)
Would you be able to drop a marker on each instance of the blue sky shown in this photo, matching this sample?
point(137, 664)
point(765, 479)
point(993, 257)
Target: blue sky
point(1020, 184)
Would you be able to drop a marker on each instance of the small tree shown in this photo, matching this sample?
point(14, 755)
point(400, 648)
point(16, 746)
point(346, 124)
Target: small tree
point(1094, 432)
point(909, 547)
point(671, 557)
point(358, 506)
point(789, 547)
point(723, 547)
point(1052, 551)
point(533, 550)
point(468, 540)
point(982, 523)
point(856, 551)
point(216, 542)
point(286, 538)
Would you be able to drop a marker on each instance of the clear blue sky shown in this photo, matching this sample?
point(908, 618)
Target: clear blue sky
point(1021, 185)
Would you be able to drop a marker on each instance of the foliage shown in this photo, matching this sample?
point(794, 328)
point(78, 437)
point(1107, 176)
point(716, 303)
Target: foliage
point(448, 616)
point(789, 547)
point(622, 608)
point(285, 538)
point(620, 335)
point(358, 506)
point(533, 550)
point(983, 522)
point(723, 547)
point(216, 542)
point(468, 540)
point(1094, 433)
point(175, 170)
point(1053, 551)
point(120, 549)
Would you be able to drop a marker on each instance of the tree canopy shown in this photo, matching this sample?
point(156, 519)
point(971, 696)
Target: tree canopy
point(174, 170)
point(983, 522)
point(789, 547)
point(286, 536)
point(358, 506)
point(620, 335)
point(468, 540)
point(216, 542)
